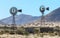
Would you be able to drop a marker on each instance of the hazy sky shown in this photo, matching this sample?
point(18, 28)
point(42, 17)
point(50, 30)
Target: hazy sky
point(30, 7)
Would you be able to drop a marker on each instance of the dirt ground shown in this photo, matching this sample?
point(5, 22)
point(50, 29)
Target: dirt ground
point(27, 36)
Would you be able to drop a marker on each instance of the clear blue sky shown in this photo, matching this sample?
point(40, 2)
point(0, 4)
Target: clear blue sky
point(30, 7)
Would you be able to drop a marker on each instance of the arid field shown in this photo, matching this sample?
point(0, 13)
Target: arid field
point(49, 30)
point(27, 36)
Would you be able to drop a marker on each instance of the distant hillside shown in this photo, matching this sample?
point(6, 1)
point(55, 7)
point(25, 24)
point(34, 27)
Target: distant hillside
point(20, 19)
point(2, 22)
point(54, 16)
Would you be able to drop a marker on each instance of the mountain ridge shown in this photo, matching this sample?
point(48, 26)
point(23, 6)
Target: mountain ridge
point(24, 19)
point(20, 19)
point(54, 15)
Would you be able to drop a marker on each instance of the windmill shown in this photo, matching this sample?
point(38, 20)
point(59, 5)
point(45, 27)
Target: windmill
point(42, 10)
point(13, 12)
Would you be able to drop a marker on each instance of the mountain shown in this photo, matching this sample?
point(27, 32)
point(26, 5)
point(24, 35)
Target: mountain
point(54, 16)
point(2, 22)
point(20, 19)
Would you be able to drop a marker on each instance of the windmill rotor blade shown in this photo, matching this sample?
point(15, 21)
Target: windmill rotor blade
point(13, 10)
point(42, 9)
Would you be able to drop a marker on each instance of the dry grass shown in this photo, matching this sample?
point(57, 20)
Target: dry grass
point(27, 36)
